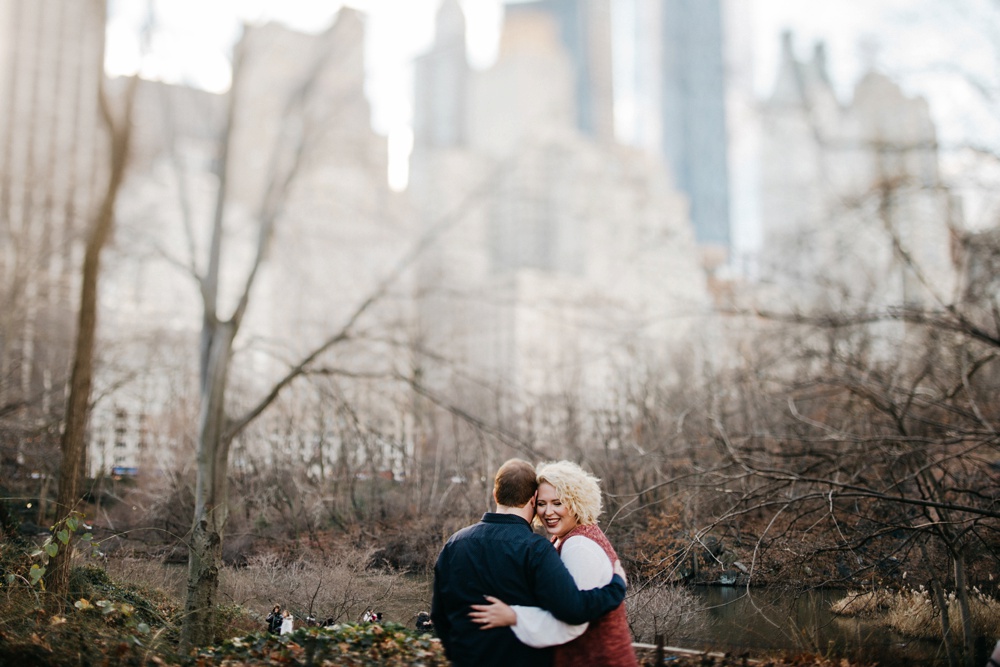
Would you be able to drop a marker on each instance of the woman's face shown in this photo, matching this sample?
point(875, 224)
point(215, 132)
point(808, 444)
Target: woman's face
point(555, 516)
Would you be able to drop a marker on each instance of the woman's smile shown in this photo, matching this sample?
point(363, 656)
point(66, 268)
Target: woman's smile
point(553, 514)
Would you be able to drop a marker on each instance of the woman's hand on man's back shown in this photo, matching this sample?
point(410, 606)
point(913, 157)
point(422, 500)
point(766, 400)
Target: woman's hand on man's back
point(620, 571)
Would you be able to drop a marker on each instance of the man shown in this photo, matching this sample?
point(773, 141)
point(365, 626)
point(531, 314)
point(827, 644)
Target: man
point(274, 620)
point(503, 557)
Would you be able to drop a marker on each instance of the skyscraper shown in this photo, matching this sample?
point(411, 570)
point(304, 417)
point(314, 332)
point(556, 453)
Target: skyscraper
point(585, 31)
point(677, 82)
point(51, 65)
point(853, 210)
point(442, 74)
point(564, 254)
point(693, 112)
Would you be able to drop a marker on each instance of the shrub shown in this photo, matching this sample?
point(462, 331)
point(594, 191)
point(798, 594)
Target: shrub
point(665, 610)
point(336, 584)
point(146, 604)
point(346, 645)
point(109, 622)
point(232, 620)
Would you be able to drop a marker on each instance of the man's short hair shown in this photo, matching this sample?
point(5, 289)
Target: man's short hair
point(515, 483)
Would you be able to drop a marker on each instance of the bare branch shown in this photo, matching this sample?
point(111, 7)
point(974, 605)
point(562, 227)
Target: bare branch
point(345, 332)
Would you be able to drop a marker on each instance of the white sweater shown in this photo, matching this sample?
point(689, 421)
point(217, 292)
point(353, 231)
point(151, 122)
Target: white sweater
point(591, 568)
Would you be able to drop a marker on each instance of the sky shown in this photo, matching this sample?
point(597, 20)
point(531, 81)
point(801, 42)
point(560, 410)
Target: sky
point(918, 43)
point(191, 42)
point(193, 36)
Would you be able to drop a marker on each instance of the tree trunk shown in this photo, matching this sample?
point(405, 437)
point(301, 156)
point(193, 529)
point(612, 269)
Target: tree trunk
point(942, 602)
point(216, 430)
point(74, 435)
point(211, 504)
point(962, 594)
point(73, 442)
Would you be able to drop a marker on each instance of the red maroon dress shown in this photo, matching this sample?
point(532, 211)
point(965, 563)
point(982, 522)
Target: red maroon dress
point(607, 641)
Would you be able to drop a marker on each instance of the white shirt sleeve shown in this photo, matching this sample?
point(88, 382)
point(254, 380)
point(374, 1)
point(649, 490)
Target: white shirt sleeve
point(591, 568)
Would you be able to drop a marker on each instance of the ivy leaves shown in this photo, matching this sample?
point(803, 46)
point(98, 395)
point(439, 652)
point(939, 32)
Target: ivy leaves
point(60, 535)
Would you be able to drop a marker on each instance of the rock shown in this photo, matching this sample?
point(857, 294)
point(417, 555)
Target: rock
point(728, 577)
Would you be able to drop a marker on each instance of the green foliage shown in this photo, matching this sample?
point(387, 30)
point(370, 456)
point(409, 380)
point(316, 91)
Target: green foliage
point(109, 626)
point(17, 567)
point(60, 534)
point(123, 624)
point(346, 645)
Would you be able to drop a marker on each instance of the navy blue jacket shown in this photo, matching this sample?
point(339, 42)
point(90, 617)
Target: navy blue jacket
point(501, 556)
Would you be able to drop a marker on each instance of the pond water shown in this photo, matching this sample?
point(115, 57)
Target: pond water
point(762, 620)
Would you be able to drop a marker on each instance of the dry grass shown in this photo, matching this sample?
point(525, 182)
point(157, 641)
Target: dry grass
point(335, 584)
point(171, 579)
point(863, 603)
point(913, 612)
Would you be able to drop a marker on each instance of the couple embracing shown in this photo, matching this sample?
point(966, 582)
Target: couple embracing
point(506, 596)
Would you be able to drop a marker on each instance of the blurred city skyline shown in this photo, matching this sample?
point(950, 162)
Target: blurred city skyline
point(191, 41)
point(536, 269)
point(909, 41)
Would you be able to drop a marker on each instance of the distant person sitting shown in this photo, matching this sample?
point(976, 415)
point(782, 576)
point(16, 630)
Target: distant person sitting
point(424, 623)
point(274, 620)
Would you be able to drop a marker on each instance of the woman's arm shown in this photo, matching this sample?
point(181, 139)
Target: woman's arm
point(536, 627)
point(556, 591)
point(532, 626)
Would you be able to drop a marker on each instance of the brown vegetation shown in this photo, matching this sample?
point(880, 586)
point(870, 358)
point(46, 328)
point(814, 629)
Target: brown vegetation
point(915, 612)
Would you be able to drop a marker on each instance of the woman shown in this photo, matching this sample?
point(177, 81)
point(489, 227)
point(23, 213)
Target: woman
point(287, 622)
point(567, 505)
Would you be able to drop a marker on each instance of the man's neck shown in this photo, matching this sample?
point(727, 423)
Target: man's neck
point(527, 512)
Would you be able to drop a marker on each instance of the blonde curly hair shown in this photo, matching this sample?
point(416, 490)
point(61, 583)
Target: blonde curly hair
point(578, 489)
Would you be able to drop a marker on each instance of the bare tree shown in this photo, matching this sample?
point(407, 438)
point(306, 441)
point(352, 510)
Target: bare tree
point(216, 429)
point(303, 120)
point(892, 450)
point(73, 442)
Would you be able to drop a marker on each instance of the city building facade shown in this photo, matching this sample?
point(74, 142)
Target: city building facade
point(853, 211)
point(53, 159)
point(563, 260)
